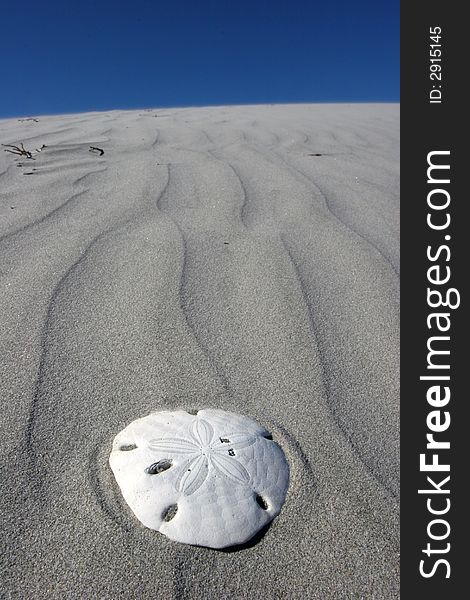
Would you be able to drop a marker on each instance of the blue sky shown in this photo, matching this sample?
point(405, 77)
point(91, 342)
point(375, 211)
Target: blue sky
point(63, 56)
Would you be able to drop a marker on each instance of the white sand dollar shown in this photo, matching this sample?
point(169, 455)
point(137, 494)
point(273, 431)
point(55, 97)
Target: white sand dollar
point(212, 479)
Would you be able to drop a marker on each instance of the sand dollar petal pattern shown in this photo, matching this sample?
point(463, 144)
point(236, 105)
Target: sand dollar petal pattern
point(231, 468)
point(202, 431)
point(173, 446)
point(236, 441)
point(193, 474)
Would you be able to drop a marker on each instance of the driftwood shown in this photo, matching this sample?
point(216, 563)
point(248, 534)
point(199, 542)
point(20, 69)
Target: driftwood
point(95, 149)
point(19, 151)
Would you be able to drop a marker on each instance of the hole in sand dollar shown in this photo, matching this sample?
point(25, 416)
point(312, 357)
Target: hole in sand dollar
point(158, 467)
point(169, 512)
point(260, 501)
point(127, 447)
point(268, 436)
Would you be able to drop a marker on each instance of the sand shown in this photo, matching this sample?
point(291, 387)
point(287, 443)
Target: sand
point(242, 258)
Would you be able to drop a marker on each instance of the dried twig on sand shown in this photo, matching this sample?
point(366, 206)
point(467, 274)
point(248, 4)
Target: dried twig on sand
point(19, 151)
point(95, 149)
point(28, 119)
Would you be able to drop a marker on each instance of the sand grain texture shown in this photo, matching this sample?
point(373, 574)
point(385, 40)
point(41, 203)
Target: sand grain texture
point(208, 259)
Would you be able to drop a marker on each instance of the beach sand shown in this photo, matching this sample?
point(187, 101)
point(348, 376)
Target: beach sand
point(244, 258)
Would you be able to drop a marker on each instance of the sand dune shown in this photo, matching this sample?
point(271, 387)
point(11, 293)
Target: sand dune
point(242, 258)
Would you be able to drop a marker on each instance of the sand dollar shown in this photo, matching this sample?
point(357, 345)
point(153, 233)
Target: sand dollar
point(210, 479)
